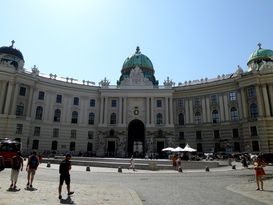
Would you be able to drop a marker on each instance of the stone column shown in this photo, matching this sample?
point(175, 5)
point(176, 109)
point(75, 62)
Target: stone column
point(2, 95)
point(259, 101)
point(271, 97)
point(101, 110)
point(244, 103)
point(120, 111)
point(204, 118)
point(147, 111)
point(266, 101)
point(221, 103)
point(8, 99)
point(191, 111)
point(14, 102)
point(240, 107)
point(166, 111)
point(171, 110)
point(208, 109)
point(152, 111)
point(30, 100)
point(66, 113)
point(125, 111)
point(187, 113)
point(226, 108)
point(105, 120)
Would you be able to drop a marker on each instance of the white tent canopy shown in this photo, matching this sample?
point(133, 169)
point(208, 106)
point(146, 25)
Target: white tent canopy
point(187, 148)
point(168, 149)
point(178, 149)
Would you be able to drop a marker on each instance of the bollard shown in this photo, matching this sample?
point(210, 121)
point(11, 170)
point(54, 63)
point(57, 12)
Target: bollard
point(207, 169)
point(48, 164)
point(119, 169)
point(88, 169)
point(180, 169)
point(234, 166)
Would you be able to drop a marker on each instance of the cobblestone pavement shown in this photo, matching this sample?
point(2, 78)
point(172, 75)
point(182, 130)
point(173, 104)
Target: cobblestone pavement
point(46, 191)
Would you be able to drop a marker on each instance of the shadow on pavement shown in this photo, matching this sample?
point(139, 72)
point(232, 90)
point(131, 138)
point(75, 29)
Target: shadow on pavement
point(68, 200)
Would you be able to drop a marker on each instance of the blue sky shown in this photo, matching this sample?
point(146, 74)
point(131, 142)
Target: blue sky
point(90, 39)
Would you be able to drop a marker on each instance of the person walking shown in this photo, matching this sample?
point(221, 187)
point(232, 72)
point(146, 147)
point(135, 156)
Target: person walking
point(132, 163)
point(259, 172)
point(16, 166)
point(64, 168)
point(32, 165)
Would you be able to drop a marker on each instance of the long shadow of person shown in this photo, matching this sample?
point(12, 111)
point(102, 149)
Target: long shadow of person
point(68, 200)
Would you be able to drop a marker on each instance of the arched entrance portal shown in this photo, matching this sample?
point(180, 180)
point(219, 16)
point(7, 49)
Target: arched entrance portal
point(136, 138)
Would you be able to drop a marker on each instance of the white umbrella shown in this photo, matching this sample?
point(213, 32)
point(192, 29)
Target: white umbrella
point(167, 149)
point(178, 149)
point(187, 148)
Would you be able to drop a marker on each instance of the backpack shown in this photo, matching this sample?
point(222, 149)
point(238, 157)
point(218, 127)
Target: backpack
point(16, 163)
point(33, 162)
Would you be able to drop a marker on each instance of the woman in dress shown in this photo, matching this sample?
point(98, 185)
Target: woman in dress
point(259, 172)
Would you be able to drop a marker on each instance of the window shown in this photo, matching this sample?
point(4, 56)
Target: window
point(214, 99)
point(181, 119)
point(114, 103)
point(215, 116)
point(73, 134)
point(74, 118)
point(41, 95)
point(91, 120)
point(253, 110)
point(234, 114)
point(181, 135)
point(39, 113)
point(197, 102)
point(59, 99)
point(232, 96)
point(54, 145)
point(72, 146)
point(237, 147)
point(251, 92)
point(255, 146)
point(158, 103)
point(19, 129)
point(199, 147)
point(198, 134)
point(92, 103)
point(197, 118)
point(37, 131)
point(90, 134)
point(19, 109)
point(235, 133)
point(55, 132)
point(76, 101)
point(35, 144)
point(253, 131)
point(89, 147)
point(113, 119)
point(180, 103)
point(22, 91)
point(112, 133)
point(57, 115)
point(216, 134)
point(159, 119)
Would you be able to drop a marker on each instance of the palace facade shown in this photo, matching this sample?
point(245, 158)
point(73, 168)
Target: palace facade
point(230, 113)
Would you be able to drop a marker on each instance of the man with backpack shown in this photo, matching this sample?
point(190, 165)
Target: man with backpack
point(64, 169)
point(32, 164)
point(16, 166)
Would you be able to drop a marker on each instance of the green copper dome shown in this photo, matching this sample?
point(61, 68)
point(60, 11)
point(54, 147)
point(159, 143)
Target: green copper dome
point(141, 61)
point(260, 54)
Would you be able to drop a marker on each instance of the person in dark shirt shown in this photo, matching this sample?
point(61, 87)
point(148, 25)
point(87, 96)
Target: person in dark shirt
point(64, 169)
point(16, 166)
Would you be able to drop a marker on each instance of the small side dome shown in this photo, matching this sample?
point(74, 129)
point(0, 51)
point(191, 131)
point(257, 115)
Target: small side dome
point(11, 51)
point(260, 55)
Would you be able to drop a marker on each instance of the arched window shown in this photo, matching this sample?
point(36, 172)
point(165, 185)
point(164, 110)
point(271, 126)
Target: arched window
point(215, 116)
point(197, 118)
point(91, 119)
point(159, 119)
point(234, 114)
point(39, 113)
point(72, 146)
point(181, 119)
point(113, 119)
point(253, 110)
point(57, 115)
point(54, 145)
point(74, 118)
point(19, 109)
